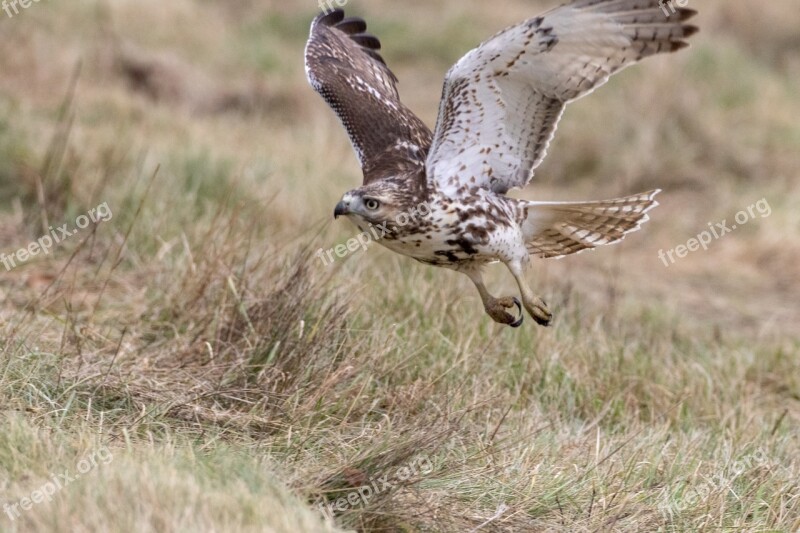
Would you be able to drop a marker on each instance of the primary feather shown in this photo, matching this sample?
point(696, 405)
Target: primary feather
point(503, 100)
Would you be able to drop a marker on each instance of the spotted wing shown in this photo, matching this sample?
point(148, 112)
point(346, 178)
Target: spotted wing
point(503, 100)
point(344, 66)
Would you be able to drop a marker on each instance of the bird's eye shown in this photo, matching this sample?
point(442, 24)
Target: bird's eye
point(372, 204)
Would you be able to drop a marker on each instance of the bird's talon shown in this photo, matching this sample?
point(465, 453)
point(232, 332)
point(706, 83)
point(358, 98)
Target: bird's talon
point(540, 313)
point(521, 318)
point(496, 309)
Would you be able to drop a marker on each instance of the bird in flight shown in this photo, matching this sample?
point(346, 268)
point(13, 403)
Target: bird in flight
point(440, 197)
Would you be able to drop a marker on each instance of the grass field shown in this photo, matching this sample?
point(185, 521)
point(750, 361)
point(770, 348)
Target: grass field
point(186, 363)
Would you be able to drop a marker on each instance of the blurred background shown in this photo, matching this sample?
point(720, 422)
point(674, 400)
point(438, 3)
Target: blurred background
point(194, 122)
point(216, 93)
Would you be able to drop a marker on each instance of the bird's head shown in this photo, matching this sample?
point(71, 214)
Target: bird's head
point(376, 203)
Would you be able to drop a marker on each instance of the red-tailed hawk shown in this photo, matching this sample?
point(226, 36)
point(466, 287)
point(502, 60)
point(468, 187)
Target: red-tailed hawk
point(499, 110)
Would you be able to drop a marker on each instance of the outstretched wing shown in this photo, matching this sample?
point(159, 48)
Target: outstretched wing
point(503, 100)
point(344, 66)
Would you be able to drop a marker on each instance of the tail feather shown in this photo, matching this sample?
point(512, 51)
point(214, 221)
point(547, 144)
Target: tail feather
point(556, 229)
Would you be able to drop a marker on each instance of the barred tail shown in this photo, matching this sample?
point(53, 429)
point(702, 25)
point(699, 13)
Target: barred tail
point(556, 229)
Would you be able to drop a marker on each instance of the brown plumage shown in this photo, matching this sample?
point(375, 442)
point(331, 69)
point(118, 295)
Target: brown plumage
point(500, 108)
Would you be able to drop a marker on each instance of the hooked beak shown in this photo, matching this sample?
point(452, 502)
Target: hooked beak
point(342, 208)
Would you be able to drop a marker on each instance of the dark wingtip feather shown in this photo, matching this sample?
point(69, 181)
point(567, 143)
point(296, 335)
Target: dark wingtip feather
point(355, 29)
point(352, 25)
point(367, 41)
point(688, 31)
point(330, 18)
point(681, 15)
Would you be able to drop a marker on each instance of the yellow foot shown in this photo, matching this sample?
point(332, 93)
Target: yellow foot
point(539, 311)
point(496, 308)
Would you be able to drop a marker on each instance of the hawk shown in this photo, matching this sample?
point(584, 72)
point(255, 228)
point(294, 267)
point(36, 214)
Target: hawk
point(499, 110)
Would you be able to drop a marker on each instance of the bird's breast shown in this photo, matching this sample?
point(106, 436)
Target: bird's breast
point(453, 233)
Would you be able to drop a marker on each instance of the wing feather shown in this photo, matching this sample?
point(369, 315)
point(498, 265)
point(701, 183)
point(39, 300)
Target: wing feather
point(343, 64)
point(502, 101)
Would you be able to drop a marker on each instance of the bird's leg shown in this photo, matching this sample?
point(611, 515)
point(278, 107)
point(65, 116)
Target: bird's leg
point(496, 307)
point(533, 304)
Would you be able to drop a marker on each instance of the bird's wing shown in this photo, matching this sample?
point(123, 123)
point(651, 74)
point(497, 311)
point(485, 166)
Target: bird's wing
point(502, 101)
point(344, 66)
